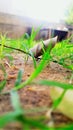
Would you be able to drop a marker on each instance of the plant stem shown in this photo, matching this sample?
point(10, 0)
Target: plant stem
point(16, 49)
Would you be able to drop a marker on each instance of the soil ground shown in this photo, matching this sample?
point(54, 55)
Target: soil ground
point(32, 96)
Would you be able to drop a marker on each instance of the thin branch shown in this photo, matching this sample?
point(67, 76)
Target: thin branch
point(16, 49)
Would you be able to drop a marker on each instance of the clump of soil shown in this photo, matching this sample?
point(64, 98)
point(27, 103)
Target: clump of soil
point(32, 96)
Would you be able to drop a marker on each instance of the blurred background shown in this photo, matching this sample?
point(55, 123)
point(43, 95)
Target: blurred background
point(19, 16)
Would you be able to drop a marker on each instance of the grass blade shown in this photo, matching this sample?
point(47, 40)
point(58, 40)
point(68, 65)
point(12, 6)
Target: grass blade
point(15, 100)
point(9, 117)
point(19, 78)
point(55, 84)
point(2, 85)
point(58, 101)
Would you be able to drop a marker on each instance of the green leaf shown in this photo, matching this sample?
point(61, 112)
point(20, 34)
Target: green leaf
point(66, 127)
point(36, 124)
point(55, 84)
point(34, 61)
point(19, 78)
point(9, 117)
point(2, 85)
point(58, 101)
point(15, 100)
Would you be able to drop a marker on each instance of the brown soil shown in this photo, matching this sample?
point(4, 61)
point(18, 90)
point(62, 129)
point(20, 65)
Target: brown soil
point(32, 96)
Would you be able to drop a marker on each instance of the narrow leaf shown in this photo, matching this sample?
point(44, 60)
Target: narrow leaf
point(15, 100)
point(19, 78)
point(9, 117)
point(2, 85)
point(55, 84)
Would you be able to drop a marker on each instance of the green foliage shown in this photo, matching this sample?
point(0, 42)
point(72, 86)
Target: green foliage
point(56, 84)
point(45, 59)
point(2, 85)
point(34, 60)
point(10, 117)
point(18, 115)
point(62, 53)
point(15, 100)
point(32, 36)
point(2, 42)
point(19, 78)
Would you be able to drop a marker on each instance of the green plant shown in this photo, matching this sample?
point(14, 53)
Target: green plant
point(62, 53)
point(2, 42)
point(30, 40)
point(19, 115)
point(2, 85)
point(37, 71)
point(19, 78)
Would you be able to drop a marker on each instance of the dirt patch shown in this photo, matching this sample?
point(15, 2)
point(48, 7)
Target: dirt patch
point(32, 96)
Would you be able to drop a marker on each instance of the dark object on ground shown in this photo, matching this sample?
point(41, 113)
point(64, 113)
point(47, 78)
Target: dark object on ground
point(60, 33)
point(37, 50)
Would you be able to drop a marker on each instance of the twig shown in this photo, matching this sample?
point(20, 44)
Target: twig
point(16, 49)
